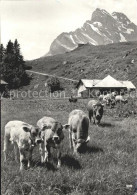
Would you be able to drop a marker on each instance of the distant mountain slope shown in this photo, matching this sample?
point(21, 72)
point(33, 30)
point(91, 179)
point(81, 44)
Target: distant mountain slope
point(103, 28)
point(88, 61)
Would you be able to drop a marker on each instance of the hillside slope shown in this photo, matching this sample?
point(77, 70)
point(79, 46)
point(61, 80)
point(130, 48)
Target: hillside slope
point(103, 28)
point(87, 61)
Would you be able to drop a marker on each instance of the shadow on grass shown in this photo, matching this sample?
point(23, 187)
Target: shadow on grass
point(70, 162)
point(104, 124)
point(90, 149)
point(47, 165)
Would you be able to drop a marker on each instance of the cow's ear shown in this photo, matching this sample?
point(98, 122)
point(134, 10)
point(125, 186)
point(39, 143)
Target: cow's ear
point(88, 138)
point(66, 126)
point(26, 129)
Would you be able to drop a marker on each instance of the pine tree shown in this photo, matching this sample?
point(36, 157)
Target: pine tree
point(2, 52)
point(13, 66)
point(9, 48)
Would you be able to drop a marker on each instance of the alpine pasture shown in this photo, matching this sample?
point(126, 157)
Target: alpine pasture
point(106, 167)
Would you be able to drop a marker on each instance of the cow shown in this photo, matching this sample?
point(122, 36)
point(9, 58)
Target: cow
point(95, 110)
point(24, 137)
point(120, 99)
point(114, 93)
point(78, 130)
point(100, 98)
point(73, 99)
point(52, 136)
point(112, 103)
point(109, 99)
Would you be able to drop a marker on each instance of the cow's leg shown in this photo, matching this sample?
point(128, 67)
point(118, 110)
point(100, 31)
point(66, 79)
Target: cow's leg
point(41, 149)
point(29, 158)
point(75, 151)
point(73, 137)
point(89, 114)
point(22, 158)
point(70, 139)
point(16, 152)
point(98, 122)
point(59, 157)
point(94, 120)
point(6, 147)
point(47, 153)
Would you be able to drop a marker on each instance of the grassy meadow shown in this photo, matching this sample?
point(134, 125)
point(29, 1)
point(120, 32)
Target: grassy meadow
point(106, 167)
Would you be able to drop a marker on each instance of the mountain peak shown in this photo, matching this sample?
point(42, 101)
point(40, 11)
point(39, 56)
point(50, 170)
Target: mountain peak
point(103, 28)
point(120, 17)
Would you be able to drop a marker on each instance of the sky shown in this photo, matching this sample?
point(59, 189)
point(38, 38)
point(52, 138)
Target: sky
point(36, 23)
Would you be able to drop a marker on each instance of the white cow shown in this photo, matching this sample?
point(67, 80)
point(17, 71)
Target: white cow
point(120, 98)
point(52, 135)
point(24, 137)
point(78, 130)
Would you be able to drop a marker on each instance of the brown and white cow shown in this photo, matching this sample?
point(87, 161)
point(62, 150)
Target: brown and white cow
point(52, 136)
point(95, 110)
point(78, 129)
point(24, 137)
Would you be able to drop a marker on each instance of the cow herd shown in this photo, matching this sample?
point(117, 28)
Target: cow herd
point(111, 99)
point(49, 133)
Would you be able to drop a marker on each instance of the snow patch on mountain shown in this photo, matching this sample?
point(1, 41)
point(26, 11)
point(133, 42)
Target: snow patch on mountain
point(103, 28)
point(72, 40)
point(122, 38)
point(129, 31)
point(94, 28)
point(92, 41)
point(97, 24)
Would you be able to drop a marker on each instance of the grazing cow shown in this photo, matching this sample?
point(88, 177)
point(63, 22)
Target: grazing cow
point(107, 99)
point(52, 135)
point(95, 110)
point(78, 129)
point(100, 98)
point(73, 99)
point(114, 93)
point(24, 137)
point(120, 98)
point(112, 103)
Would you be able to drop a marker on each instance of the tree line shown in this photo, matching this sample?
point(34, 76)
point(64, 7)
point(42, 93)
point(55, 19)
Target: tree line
point(12, 65)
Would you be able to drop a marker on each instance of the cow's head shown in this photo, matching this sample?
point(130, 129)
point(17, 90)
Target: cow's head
point(98, 110)
point(57, 132)
point(35, 134)
point(80, 143)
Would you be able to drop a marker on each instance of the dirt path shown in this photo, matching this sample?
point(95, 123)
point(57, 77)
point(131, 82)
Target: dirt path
point(45, 74)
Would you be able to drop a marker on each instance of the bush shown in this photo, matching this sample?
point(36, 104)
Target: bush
point(54, 84)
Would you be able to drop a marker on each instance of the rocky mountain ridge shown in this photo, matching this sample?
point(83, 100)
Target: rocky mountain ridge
point(102, 29)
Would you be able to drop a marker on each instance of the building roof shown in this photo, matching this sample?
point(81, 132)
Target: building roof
point(109, 82)
point(128, 84)
point(2, 82)
point(89, 83)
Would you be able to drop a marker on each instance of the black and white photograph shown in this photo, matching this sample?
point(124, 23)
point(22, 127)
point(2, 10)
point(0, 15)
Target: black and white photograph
point(68, 93)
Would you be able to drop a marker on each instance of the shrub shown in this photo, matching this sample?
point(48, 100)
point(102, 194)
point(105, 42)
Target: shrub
point(54, 84)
